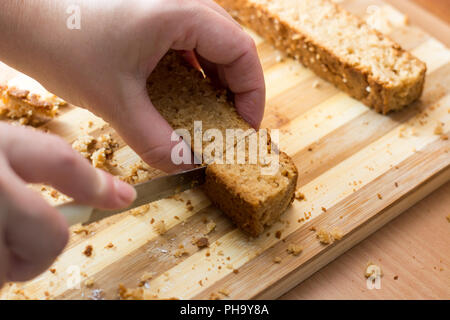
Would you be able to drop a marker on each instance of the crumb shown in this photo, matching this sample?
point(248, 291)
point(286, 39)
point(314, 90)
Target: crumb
point(202, 242)
point(277, 260)
point(316, 84)
point(160, 227)
point(438, 130)
point(336, 233)
point(448, 218)
point(313, 229)
point(235, 271)
point(139, 211)
point(189, 205)
point(137, 173)
point(379, 196)
point(89, 282)
point(28, 108)
point(145, 277)
point(279, 57)
point(180, 252)
point(294, 249)
point(109, 245)
point(81, 230)
point(210, 226)
point(52, 270)
point(324, 236)
point(88, 251)
point(299, 196)
point(97, 294)
point(395, 277)
point(373, 270)
point(278, 234)
point(324, 209)
point(54, 194)
point(225, 292)
point(98, 158)
point(396, 184)
point(214, 296)
point(130, 294)
point(83, 145)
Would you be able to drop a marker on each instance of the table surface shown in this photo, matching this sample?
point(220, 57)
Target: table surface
point(413, 250)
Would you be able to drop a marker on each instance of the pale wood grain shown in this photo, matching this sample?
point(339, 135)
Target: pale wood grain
point(424, 19)
point(347, 154)
point(414, 247)
point(398, 245)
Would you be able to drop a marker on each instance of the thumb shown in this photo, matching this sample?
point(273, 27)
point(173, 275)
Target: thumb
point(147, 132)
point(44, 158)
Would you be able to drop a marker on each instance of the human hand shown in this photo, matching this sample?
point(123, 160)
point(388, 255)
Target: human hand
point(33, 233)
point(104, 65)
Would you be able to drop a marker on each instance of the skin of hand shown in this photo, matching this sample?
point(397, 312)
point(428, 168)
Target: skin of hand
point(102, 67)
point(33, 233)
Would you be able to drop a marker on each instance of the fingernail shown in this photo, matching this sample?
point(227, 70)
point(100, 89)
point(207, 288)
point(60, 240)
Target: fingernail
point(126, 192)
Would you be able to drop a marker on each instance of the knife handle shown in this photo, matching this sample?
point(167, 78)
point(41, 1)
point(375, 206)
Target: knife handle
point(75, 213)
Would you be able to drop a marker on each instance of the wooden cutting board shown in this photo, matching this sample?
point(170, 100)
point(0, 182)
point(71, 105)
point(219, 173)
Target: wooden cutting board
point(358, 170)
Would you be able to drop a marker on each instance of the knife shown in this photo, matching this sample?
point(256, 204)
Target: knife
point(152, 190)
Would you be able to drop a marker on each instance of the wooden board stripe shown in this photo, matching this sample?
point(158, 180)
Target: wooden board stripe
point(353, 210)
point(356, 154)
point(325, 191)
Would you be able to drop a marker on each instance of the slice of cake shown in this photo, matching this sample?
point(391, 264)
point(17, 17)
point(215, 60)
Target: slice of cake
point(251, 199)
point(337, 46)
point(24, 99)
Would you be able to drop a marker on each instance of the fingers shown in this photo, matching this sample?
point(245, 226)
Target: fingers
point(42, 158)
point(234, 50)
point(216, 7)
point(34, 232)
point(146, 131)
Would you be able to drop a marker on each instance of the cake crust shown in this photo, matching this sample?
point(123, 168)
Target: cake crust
point(251, 214)
point(347, 53)
point(252, 200)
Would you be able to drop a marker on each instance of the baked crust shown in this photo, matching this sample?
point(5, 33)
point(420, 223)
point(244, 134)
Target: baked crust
point(252, 214)
point(26, 106)
point(252, 200)
point(361, 72)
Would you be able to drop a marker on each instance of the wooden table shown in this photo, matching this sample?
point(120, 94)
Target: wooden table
point(410, 249)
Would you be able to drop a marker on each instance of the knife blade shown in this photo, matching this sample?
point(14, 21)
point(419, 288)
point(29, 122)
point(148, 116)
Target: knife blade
point(150, 191)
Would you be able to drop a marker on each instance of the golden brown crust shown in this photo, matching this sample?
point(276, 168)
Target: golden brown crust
point(355, 79)
point(251, 216)
point(252, 201)
point(28, 107)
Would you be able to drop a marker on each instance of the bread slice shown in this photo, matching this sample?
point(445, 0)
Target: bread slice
point(24, 99)
point(252, 200)
point(337, 46)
